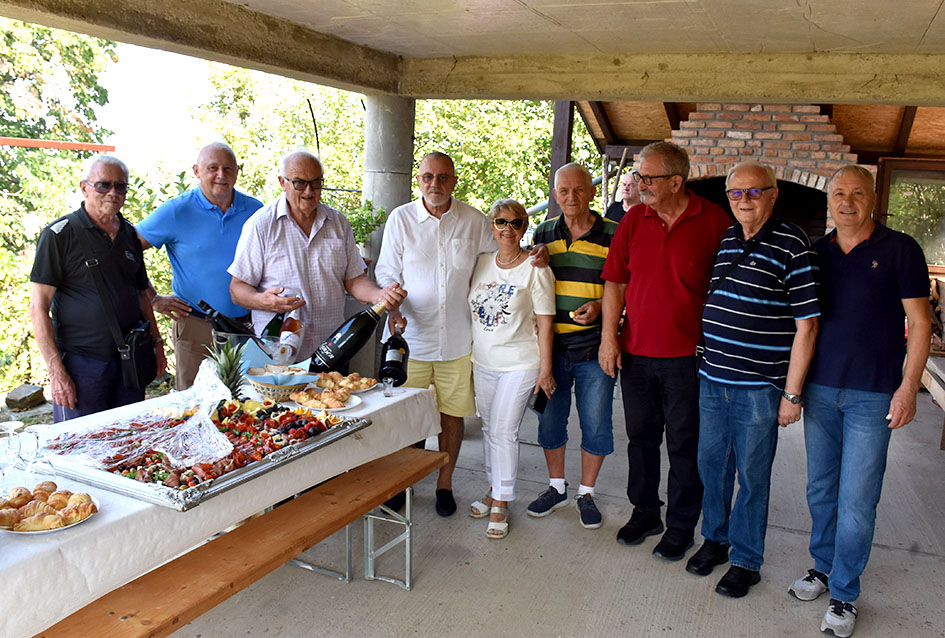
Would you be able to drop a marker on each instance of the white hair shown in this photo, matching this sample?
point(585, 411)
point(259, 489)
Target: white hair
point(111, 160)
point(291, 155)
point(577, 168)
point(769, 171)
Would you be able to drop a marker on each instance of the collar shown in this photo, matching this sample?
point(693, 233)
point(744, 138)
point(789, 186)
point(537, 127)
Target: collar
point(879, 233)
point(562, 228)
point(693, 208)
point(769, 225)
point(82, 217)
point(423, 214)
point(206, 204)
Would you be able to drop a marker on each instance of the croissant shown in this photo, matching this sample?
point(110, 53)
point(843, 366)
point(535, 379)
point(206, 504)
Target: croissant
point(19, 496)
point(76, 513)
point(9, 517)
point(5, 504)
point(59, 499)
point(40, 495)
point(39, 522)
point(36, 507)
point(79, 498)
point(46, 486)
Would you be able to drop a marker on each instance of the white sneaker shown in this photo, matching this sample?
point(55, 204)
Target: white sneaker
point(809, 587)
point(839, 619)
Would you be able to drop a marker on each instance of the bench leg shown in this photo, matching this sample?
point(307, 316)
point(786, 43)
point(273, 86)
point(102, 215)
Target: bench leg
point(406, 537)
point(345, 577)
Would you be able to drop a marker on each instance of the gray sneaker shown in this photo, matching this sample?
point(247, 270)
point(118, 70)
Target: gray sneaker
point(839, 619)
point(548, 501)
point(590, 516)
point(809, 587)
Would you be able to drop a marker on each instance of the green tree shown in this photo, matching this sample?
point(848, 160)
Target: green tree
point(917, 208)
point(50, 90)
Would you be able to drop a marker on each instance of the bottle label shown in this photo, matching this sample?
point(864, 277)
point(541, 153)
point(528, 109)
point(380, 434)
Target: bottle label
point(394, 354)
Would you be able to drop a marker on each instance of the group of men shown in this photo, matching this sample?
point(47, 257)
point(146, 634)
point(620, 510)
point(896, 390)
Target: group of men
point(682, 278)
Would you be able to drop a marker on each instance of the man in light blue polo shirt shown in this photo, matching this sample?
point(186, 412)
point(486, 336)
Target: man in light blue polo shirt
point(200, 230)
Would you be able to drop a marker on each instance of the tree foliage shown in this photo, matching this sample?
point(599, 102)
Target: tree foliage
point(917, 208)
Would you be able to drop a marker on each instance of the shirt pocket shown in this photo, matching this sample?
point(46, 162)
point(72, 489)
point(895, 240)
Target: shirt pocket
point(462, 257)
point(330, 259)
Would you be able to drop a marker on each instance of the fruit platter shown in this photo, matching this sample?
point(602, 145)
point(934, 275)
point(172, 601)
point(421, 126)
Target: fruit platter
point(183, 448)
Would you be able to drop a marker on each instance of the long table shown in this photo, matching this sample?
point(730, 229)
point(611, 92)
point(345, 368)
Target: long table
point(44, 578)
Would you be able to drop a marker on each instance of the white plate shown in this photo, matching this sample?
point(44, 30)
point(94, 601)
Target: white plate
point(58, 529)
point(352, 402)
point(376, 385)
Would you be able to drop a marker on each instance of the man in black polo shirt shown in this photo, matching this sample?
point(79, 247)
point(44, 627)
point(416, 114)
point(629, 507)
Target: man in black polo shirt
point(858, 391)
point(80, 353)
point(760, 326)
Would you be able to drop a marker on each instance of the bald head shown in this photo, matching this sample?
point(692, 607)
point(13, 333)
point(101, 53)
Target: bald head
point(574, 190)
point(301, 179)
point(216, 170)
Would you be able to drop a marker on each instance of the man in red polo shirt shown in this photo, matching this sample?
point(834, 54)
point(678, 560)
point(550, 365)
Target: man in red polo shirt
point(659, 266)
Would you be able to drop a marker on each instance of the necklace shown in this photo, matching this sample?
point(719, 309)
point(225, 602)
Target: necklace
point(511, 261)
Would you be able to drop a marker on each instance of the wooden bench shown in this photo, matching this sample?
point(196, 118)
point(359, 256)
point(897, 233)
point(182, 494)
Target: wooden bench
point(165, 599)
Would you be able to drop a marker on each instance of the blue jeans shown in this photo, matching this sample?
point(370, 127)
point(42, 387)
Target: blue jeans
point(738, 433)
point(847, 435)
point(98, 386)
point(594, 393)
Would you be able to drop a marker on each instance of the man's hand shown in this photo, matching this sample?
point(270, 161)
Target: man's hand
point(609, 356)
point(546, 382)
point(902, 407)
point(788, 413)
point(540, 256)
point(159, 358)
point(587, 313)
point(63, 389)
point(271, 300)
point(392, 295)
point(171, 306)
point(396, 320)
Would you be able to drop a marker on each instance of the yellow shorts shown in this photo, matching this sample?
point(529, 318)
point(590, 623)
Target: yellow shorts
point(452, 380)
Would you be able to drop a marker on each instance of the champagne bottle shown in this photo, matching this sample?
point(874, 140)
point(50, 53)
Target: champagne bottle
point(224, 325)
point(347, 339)
point(274, 327)
point(394, 356)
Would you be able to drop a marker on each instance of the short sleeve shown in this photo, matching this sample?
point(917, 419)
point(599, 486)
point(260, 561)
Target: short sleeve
point(801, 279)
point(913, 273)
point(158, 227)
point(616, 267)
point(543, 292)
point(355, 266)
point(47, 264)
point(248, 260)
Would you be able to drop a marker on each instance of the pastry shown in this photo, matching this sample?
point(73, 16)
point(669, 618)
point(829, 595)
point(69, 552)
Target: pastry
point(76, 513)
point(79, 498)
point(36, 507)
point(38, 523)
point(9, 517)
point(59, 499)
point(46, 486)
point(40, 495)
point(5, 504)
point(19, 496)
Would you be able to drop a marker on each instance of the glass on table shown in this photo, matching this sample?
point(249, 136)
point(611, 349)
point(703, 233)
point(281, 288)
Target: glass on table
point(33, 452)
point(9, 446)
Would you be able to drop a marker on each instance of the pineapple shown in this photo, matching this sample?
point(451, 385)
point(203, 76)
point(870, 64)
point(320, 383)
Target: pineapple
point(229, 365)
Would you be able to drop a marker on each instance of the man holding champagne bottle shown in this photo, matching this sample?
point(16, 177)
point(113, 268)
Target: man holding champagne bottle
point(299, 243)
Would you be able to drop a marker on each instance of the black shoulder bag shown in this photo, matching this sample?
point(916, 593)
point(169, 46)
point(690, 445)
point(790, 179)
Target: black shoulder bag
point(135, 349)
point(749, 246)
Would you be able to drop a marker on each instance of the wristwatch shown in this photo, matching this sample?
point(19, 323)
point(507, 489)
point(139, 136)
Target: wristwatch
point(793, 398)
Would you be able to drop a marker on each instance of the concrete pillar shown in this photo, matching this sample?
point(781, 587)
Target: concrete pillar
point(388, 175)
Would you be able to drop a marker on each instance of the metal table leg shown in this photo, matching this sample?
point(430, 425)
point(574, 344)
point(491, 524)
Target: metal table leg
point(345, 577)
point(370, 554)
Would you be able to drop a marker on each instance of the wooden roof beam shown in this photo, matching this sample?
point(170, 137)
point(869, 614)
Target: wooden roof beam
point(905, 129)
point(603, 121)
point(672, 114)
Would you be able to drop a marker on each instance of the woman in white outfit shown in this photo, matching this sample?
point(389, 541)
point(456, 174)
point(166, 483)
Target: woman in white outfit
point(513, 307)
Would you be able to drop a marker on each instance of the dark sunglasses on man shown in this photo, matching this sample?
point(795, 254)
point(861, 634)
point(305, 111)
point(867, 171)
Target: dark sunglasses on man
point(516, 224)
point(735, 194)
point(104, 187)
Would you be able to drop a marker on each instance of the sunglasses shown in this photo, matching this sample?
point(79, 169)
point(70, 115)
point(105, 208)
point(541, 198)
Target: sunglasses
point(516, 224)
point(302, 184)
point(104, 187)
point(736, 194)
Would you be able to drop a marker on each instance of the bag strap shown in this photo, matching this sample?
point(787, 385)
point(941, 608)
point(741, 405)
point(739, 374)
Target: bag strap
point(104, 298)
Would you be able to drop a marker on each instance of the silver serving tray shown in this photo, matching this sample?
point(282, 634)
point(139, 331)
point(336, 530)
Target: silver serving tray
point(183, 500)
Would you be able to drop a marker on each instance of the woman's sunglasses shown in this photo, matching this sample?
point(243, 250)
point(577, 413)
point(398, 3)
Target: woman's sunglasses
point(516, 224)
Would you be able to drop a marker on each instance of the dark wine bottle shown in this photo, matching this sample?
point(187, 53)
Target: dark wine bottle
point(274, 327)
point(347, 339)
point(394, 356)
point(224, 325)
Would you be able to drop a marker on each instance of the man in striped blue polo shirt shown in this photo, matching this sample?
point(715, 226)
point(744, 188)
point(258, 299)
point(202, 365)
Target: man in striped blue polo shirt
point(760, 326)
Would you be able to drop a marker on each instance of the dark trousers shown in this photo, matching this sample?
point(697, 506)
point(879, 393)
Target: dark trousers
point(98, 387)
point(660, 392)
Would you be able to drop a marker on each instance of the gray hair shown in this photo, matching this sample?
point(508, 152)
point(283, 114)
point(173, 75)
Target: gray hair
point(853, 168)
point(509, 204)
point(769, 171)
point(578, 168)
point(675, 159)
point(218, 146)
point(292, 155)
point(110, 160)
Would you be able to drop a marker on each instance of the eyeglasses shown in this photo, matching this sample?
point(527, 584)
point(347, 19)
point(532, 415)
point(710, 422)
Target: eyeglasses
point(647, 179)
point(516, 224)
point(302, 184)
point(104, 187)
point(736, 194)
point(441, 178)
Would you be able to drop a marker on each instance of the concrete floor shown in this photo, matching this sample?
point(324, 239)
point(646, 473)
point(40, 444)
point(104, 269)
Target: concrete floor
point(550, 577)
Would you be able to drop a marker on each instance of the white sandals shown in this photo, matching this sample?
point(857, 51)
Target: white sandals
point(479, 509)
point(498, 529)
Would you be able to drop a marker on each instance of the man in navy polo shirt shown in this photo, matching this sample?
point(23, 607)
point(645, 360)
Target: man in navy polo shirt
point(760, 326)
point(200, 230)
point(857, 391)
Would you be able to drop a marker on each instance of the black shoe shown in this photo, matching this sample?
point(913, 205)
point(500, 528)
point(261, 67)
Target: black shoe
point(737, 581)
point(674, 544)
point(445, 505)
point(709, 555)
point(397, 501)
point(639, 527)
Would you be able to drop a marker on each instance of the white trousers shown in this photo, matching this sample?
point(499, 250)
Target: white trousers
point(501, 398)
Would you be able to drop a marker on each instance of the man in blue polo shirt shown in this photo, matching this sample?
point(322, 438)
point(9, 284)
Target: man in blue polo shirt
point(760, 326)
point(200, 230)
point(857, 391)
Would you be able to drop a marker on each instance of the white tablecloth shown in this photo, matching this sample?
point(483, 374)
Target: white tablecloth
point(44, 578)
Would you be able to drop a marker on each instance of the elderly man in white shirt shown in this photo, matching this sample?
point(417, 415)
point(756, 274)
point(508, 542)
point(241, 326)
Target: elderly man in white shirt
point(431, 245)
point(297, 243)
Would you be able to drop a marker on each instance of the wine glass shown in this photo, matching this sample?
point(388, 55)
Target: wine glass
point(33, 454)
point(9, 446)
